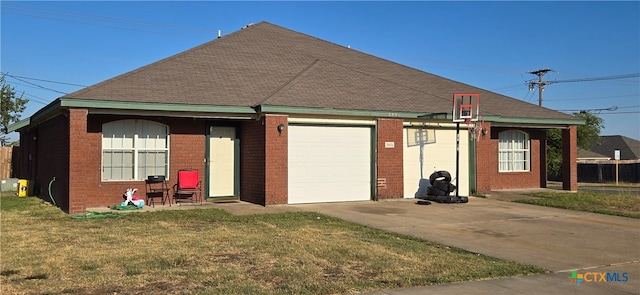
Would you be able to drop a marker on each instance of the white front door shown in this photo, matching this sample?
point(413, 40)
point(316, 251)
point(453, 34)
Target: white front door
point(222, 169)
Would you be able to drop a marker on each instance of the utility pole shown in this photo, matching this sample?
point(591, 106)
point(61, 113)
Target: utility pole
point(540, 84)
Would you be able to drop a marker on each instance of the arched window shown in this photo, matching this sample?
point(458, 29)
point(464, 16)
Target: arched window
point(514, 153)
point(134, 149)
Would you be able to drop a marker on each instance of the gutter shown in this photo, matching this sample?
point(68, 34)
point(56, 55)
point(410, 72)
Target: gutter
point(335, 112)
point(539, 122)
point(248, 112)
point(146, 108)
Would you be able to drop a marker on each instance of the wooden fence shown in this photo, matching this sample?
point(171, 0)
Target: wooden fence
point(605, 171)
point(6, 154)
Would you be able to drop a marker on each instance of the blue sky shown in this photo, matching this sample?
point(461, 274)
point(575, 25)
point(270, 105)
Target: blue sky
point(491, 45)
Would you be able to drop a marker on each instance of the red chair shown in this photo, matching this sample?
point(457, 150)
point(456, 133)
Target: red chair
point(187, 189)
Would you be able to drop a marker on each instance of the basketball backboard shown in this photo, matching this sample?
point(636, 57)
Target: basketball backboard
point(466, 107)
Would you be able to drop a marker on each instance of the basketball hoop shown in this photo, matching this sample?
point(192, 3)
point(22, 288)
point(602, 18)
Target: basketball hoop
point(466, 107)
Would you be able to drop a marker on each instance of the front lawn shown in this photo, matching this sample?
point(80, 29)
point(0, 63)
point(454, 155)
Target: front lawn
point(210, 251)
point(624, 204)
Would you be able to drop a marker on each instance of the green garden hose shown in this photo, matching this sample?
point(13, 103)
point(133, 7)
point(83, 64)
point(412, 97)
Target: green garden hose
point(50, 195)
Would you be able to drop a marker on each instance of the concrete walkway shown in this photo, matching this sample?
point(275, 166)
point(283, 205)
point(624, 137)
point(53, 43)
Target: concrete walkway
point(558, 240)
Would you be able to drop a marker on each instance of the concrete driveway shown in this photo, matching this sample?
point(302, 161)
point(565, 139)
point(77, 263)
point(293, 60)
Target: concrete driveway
point(555, 239)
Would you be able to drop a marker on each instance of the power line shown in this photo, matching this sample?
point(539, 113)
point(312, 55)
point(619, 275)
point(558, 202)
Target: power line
point(36, 99)
point(615, 77)
point(42, 80)
point(39, 86)
point(94, 17)
point(28, 96)
point(618, 113)
point(540, 84)
point(99, 21)
point(610, 109)
point(598, 97)
point(599, 111)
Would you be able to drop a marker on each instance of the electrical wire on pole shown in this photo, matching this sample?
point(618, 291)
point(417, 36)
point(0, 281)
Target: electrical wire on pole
point(541, 84)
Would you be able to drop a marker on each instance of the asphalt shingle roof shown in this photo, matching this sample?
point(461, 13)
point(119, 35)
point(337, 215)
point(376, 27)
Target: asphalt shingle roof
point(585, 154)
point(606, 145)
point(265, 64)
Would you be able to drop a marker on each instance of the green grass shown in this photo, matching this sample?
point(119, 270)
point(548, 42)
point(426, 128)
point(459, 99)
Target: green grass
point(624, 204)
point(210, 251)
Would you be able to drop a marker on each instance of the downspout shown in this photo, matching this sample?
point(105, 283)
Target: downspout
point(50, 194)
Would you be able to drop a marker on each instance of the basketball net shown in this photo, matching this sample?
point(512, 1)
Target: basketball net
point(474, 129)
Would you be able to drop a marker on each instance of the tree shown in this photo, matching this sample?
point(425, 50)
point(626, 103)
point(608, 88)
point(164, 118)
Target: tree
point(586, 134)
point(590, 131)
point(11, 107)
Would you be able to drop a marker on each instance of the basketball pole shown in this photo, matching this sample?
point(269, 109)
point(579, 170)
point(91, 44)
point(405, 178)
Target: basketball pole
point(457, 158)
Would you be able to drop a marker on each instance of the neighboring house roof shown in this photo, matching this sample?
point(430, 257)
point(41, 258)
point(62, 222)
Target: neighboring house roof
point(266, 67)
point(590, 155)
point(606, 145)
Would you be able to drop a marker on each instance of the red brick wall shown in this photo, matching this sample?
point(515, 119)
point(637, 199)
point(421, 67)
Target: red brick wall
point(276, 160)
point(486, 160)
point(84, 162)
point(488, 177)
point(48, 145)
point(252, 162)
point(569, 159)
point(187, 150)
point(389, 169)
point(264, 161)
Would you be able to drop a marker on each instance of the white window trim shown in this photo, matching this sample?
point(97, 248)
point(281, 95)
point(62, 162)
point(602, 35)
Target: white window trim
point(135, 151)
point(513, 151)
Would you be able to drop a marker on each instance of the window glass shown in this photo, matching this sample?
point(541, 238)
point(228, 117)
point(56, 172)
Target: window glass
point(513, 151)
point(134, 149)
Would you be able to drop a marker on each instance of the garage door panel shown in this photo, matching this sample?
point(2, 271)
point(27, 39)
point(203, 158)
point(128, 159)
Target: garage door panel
point(420, 160)
point(329, 164)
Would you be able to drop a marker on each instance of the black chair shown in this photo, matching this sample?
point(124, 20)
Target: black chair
point(156, 187)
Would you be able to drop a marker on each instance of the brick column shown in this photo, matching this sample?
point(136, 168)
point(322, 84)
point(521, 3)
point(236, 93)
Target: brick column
point(276, 157)
point(390, 178)
point(252, 148)
point(543, 160)
point(486, 160)
point(569, 159)
point(81, 158)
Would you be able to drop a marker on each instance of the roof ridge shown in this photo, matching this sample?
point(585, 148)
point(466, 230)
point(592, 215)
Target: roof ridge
point(386, 80)
point(289, 84)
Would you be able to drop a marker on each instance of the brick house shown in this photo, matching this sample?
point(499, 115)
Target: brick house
point(273, 116)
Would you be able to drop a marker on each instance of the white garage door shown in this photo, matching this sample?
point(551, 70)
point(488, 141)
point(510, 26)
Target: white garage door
point(329, 164)
point(429, 150)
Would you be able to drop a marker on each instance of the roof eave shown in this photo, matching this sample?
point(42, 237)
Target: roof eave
point(274, 109)
point(532, 122)
point(19, 125)
point(143, 108)
point(153, 106)
point(41, 115)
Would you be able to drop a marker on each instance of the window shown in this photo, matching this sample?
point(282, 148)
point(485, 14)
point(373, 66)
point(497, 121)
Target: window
point(513, 149)
point(134, 149)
